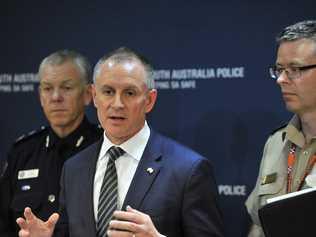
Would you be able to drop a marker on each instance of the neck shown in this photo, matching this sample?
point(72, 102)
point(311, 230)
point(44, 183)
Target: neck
point(308, 122)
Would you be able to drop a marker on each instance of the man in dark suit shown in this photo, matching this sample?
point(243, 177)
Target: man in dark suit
point(159, 187)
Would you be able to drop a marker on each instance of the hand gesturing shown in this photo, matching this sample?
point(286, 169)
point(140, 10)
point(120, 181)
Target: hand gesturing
point(32, 226)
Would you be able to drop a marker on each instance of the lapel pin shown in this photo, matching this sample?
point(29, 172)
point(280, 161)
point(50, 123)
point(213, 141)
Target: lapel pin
point(150, 170)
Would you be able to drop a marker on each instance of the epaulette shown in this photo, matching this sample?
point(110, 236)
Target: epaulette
point(30, 134)
point(279, 128)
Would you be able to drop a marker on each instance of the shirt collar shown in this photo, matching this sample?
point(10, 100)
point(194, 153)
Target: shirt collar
point(293, 132)
point(134, 146)
point(74, 139)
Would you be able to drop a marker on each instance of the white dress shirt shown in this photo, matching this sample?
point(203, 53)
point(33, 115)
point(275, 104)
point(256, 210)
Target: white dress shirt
point(125, 165)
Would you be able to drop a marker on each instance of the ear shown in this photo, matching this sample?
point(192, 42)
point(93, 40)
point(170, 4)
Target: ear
point(94, 94)
point(40, 95)
point(151, 100)
point(87, 94)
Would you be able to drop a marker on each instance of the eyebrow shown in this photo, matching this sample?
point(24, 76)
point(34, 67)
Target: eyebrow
point(292, 64)
point(67, 81)
point(124, 88)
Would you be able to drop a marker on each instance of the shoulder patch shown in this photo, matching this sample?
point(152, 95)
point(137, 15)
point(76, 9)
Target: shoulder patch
point(30, 134)
point(278, 128)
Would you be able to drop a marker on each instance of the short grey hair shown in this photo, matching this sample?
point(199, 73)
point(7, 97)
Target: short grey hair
point(122, 55)
point(63, 56)
point(300, 30)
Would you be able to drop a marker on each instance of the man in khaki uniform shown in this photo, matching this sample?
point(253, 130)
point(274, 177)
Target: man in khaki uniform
point(289, 152)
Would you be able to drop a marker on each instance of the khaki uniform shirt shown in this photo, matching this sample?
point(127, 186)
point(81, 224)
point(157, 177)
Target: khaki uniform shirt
point(272, 178)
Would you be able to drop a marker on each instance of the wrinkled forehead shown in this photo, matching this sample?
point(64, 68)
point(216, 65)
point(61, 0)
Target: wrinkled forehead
point(299, 45)
point(127, 64)
point(60, 73)
point(112, 69)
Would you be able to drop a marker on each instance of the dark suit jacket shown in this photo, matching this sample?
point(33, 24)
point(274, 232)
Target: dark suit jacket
point(180, 195)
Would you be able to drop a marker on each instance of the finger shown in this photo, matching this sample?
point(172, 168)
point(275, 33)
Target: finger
point(51, 222)
point(126, 216)
point(29, 216)
point(122, 225)
point(143, 220)
point(130, 209)
point(118, 233)
point(138, 215)
point(24, 233)
point(21, 222)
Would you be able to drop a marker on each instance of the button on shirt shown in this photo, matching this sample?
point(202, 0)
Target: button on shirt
point(126, 165)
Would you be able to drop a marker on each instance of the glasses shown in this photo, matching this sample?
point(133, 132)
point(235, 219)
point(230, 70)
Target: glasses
point(291, 72)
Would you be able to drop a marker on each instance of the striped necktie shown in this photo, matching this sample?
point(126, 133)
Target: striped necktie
point(108, 193)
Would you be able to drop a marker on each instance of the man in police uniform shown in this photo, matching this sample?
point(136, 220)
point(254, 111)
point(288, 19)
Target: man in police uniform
point(288, 152)
point(35, 160)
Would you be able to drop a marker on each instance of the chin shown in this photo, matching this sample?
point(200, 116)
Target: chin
point(60, 122)
point(121, 135)
point(292, 108)
point(117, 133)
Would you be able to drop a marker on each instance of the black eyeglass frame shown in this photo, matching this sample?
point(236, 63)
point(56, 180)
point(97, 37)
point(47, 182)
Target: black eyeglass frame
point(275, 75)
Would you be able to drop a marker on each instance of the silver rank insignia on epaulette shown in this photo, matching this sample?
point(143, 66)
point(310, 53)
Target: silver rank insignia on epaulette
point(3, 169)
point(20, 138)
point(47, 141)
point(29, 134)
point(79, 142)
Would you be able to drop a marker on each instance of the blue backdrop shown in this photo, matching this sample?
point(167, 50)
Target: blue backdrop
point(211, 60)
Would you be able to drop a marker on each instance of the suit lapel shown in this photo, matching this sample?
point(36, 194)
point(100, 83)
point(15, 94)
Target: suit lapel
point(146, 172)
point(87, 182)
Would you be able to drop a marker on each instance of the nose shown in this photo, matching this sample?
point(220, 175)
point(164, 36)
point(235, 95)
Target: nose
point(283, 78)
point(117, 101)
point(57, 95)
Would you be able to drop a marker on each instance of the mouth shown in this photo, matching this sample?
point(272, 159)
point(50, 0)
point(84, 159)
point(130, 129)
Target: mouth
point(287, 95)
point(58, 110)
point(117, 118)
point(284, 93)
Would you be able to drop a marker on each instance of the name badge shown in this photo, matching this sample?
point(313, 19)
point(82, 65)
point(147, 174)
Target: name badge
point(28, 174)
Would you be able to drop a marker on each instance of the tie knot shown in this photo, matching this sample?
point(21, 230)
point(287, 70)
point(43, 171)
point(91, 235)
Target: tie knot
point(115, 152)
